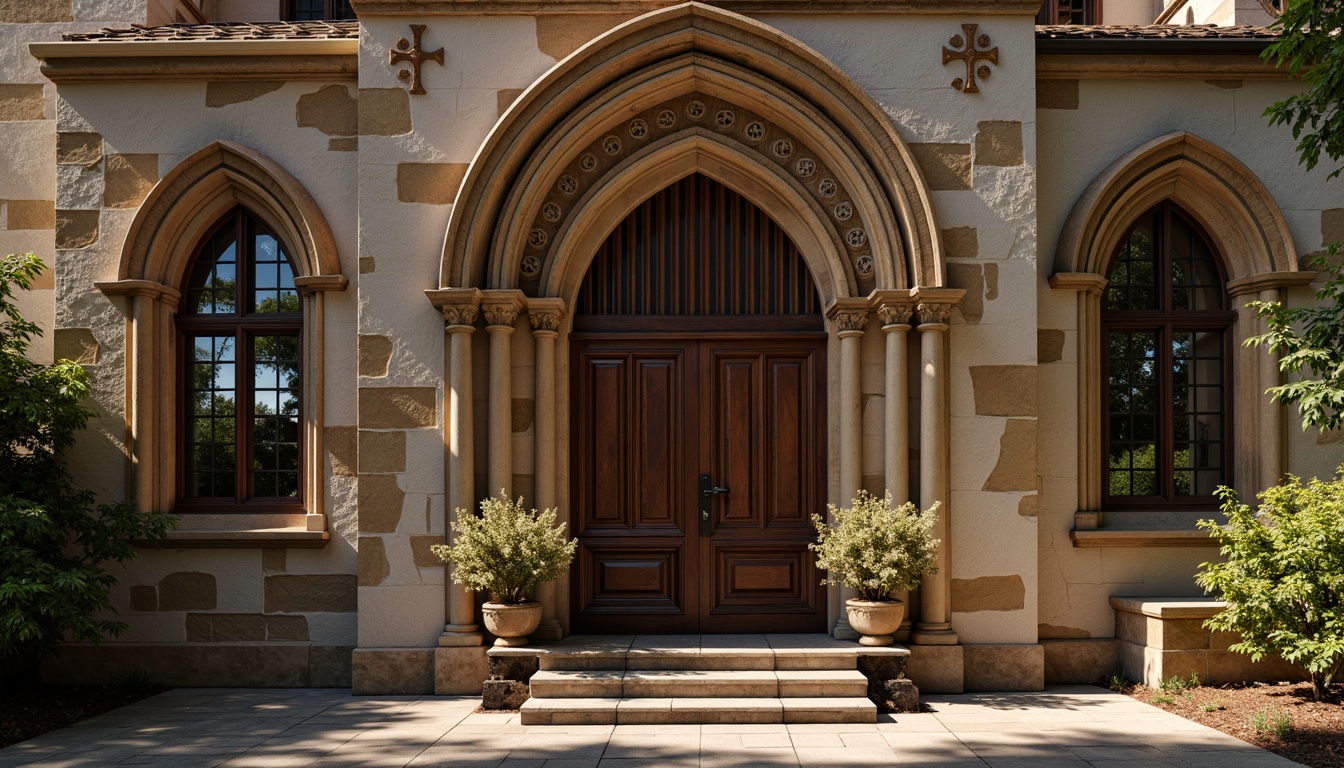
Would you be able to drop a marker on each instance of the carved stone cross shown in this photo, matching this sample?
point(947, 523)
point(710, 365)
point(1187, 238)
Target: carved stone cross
point(413, 53)
point(967, 51)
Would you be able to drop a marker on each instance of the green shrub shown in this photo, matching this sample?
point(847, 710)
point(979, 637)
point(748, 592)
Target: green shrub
point(875, 549)
point(1275, 721)
point(507, 551)
point(1178, 683)
point(54, 540)
point(1283, 577)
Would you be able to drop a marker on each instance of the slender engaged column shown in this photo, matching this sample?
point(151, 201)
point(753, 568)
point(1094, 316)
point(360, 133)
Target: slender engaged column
point(460, 318)
point(501, 312)
point(895, 311)
point(934, 626)
point(545, 315)
point(848, 319)
point(1271, 416)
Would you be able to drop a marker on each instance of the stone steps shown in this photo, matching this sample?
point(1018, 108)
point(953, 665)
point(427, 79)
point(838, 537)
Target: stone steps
point(696, 684)
point(613, 711)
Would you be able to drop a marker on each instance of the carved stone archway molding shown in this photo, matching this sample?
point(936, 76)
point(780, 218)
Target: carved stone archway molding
point(1250, 234)
point(175, 216)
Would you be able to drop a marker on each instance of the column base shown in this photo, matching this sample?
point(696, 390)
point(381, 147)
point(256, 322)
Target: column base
point(933, 635)
point(548, 630)
point(843, 631)
point(461, 635)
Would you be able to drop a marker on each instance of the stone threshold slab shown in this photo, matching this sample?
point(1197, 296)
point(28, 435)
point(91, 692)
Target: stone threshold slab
point(706, 645)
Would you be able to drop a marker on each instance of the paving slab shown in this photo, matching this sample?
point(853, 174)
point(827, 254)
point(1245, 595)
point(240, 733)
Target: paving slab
point(1066, 727)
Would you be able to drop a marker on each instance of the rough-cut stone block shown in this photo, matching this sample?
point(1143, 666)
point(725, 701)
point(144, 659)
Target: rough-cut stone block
point(1004, 667)
point(520, 668)
point(998, 143)
point(343, 144)
point(961, 243)
point(222, 93)
point(393, 672)
point(505, 97)
point(286, 628)
point(421, 553)
point(503, 694)
point(432, 183)
point(380, 502)
point(460, 671)
point(82, 148)
point(945, 166)
point(75, 344)
point(397, 407)
point(373, 565)
point(375, 353)
point(187, 591)
point(559, 35)
point(329, 666)
point(325, 592)
point(382, 452)
point(1004, 390)
point(988, 593)
point(36, 11)
point(76, 229)
point(366, 265)
point(1056, 94)
point(900, 695)
point(971, 278)
point(1182, 635)
point(936, 668)
point(30, 214)
point(226, 627)
point(330, 109)
point(22, 101)
point(1016, 467)
point(283, 665)
point(384, 111)
point(1332, 226)
point(127, 179)
point(273, 559)
point(1049, 345)
point(1080, 661)
point(523, 412)
point(341, 444)
point(1029, 505)
point(144, 599)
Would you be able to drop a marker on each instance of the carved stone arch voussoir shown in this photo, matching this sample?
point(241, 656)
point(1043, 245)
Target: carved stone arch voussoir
point(204, 186)
point(1210, 184)
point(746, 87)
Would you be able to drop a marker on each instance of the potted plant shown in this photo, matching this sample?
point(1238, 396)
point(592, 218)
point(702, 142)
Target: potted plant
point(507, 552)
point(876, 550)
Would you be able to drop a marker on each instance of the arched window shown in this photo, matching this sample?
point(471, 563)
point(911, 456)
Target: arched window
point(239, 330)
point(1165, 321)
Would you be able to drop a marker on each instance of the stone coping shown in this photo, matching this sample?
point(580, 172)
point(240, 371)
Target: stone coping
point(1170, 607)
point(257, 537)
point(743, 645)
point(1110, 537)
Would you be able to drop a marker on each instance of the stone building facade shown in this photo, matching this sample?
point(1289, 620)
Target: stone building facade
point(950, 183)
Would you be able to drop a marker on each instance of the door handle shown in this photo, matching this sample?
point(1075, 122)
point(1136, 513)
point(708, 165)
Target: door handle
point(708, 490)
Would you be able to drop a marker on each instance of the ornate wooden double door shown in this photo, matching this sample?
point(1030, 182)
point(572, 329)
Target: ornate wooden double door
point(699, 465)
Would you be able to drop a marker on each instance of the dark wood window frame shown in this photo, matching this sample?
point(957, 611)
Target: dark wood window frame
point(333, 10)
point(1165, 322)
point(1049, 13)
point(244, 327)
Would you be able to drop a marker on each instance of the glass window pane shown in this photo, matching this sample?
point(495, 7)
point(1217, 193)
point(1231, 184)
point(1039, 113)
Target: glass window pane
point(211, 393)
point(1197, 412)
point(1195, 282)
point(213, 286)
point(272, 275)
point(1133, 274)
point(275, 428)
point(1134, 412)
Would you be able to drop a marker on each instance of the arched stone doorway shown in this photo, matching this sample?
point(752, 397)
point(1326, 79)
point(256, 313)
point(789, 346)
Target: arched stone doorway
point(697, 436)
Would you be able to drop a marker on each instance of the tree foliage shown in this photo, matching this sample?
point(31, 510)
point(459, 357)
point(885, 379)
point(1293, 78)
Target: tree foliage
point(1283, 575)
point(507, 551)
point(54, 540)
point(1310, 46)
point(874, 548)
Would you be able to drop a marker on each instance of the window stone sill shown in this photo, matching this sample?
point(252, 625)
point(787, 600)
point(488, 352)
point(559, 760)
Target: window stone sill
point(1141, 529)
point(245, 531)
point(1122, 538)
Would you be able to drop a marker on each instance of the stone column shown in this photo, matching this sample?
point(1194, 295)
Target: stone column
point(460, 307)
point(848, 318)
point(545, 315)
point(895, 308)
point(501, 312)
point(935, 306)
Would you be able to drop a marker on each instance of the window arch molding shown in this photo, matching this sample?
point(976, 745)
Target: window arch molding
point(178, 213)
point(1245, 226)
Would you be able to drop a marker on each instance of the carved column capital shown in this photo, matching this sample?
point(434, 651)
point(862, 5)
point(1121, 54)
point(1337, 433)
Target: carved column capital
point(545, 315)
point(459, 307)
point(934, 305)
point(849, 315)
point(933, 314)
point(501, 308)
point(894, 307)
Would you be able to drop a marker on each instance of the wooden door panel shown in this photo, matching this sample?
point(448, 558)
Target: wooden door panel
point(631, 577)
point(777, 576)
point(790, 442)
point(733, 441)
point(656, 445)
point(607, 493)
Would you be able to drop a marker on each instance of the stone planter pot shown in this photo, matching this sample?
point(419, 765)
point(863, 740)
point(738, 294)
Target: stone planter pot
point(511, 624)
point(875, 619)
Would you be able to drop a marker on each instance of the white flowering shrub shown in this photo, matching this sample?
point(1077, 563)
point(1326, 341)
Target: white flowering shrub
point(875, 549)
point(508, 550)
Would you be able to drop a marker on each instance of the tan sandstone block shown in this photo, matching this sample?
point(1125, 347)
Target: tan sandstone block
point(330, 109)
point(226, 627)
point(76, 229)
point(22, 101)
point(524, 410)
point(366, 265)
point(187, 591)
point(341, 444)
point(397, 407)
point(375, 353)
point(373, 567)
point(1005, 667)
point(1049, 345)
point(1183, 635)
point(382, 452)
point(222, 93)
point(505, 97)
point(559, 35)
point(1053, 632)
point(988, 593)
point(393, 671)
point(999, 143)
point(36, 11)
point(30, 214)
point(127, 179)
point(384, 112)
point(316, 593)
point(144, 599)
point(81, 148)
point(273, 559)
point(1332, 226)
point(1004, 390)
point(937, 668)
point(961, 243)
point(971, 278)
point(75, 344)
point(945, 166)
point(286, 628)
point(421, 553)
point(460, 671)
point(1016, 467)
point(1056, 94)
point(432, 183)
point(1131, 627)
point(1029, 505)
point(1080, 661)
point(347, 144)
point(380, 501)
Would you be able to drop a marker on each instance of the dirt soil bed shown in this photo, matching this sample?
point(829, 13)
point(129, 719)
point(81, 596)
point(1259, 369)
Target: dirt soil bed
point(1280, 717)
point(28, 712)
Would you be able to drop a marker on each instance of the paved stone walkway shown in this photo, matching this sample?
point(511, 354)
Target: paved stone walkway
point(1073, 727)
